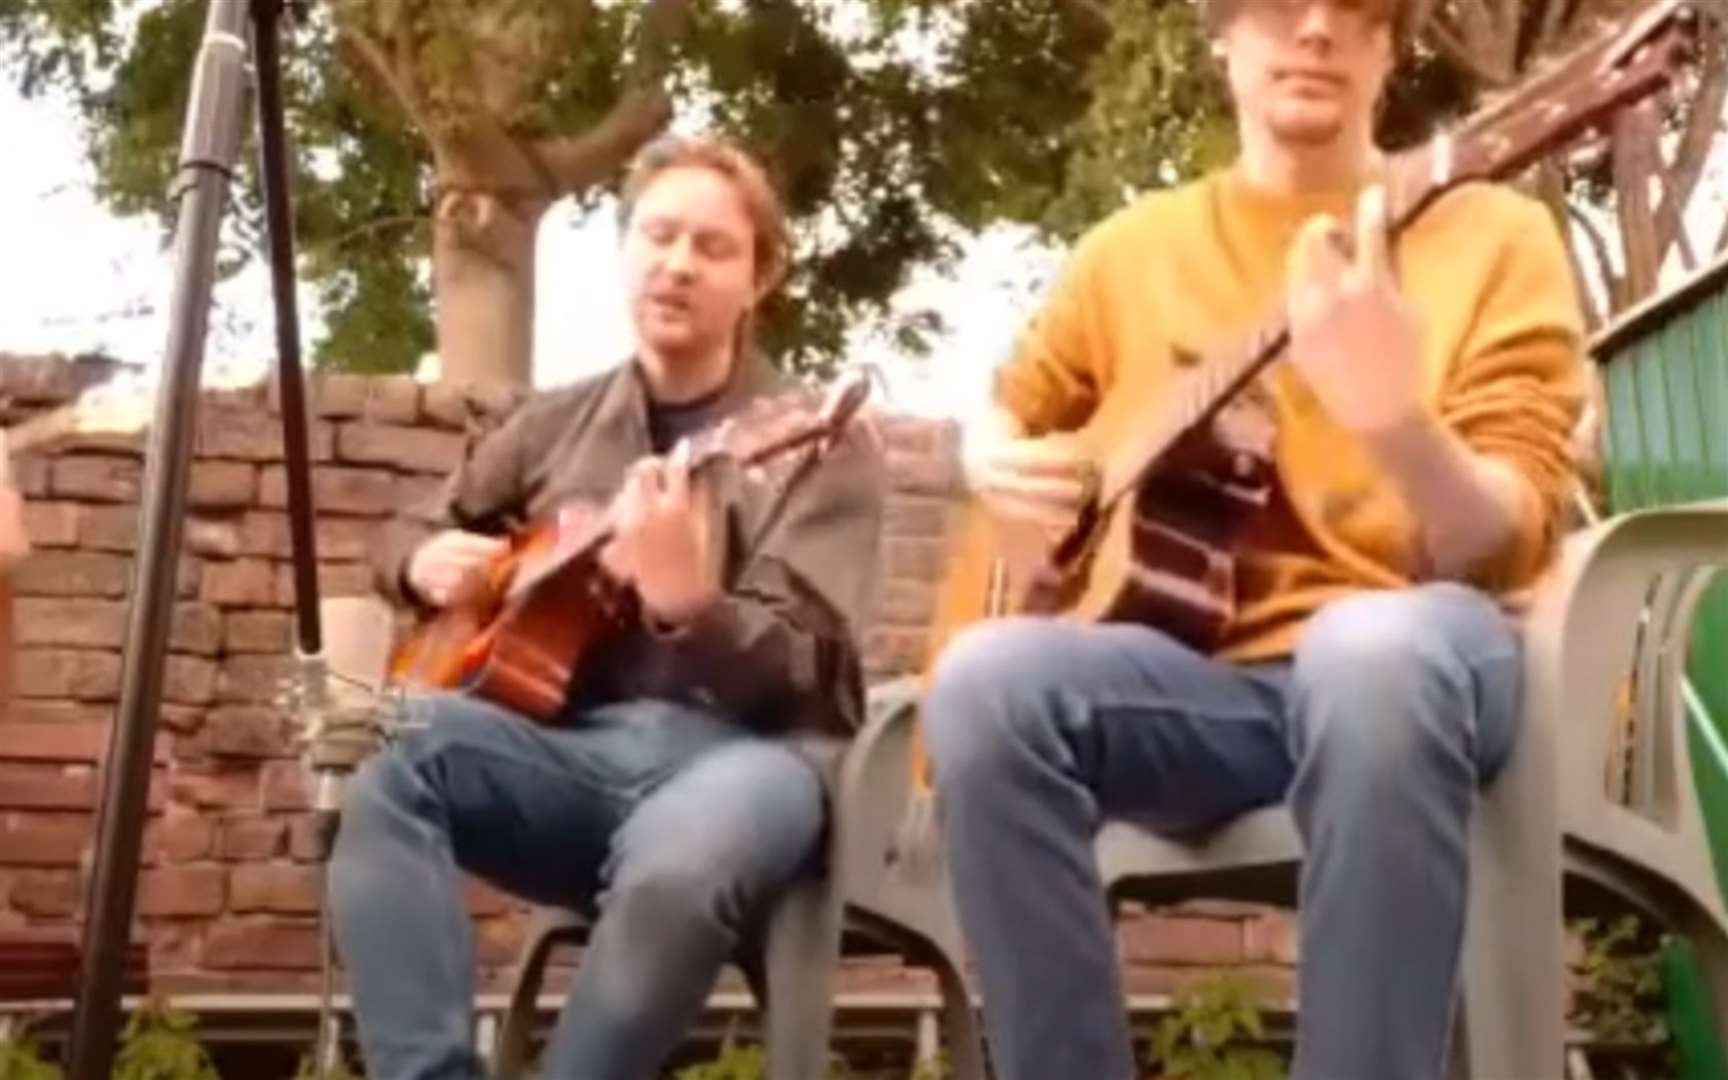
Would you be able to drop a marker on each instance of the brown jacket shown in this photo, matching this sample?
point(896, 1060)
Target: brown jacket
point(779, 652)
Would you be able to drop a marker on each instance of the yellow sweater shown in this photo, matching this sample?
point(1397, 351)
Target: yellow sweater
point(1185, 268)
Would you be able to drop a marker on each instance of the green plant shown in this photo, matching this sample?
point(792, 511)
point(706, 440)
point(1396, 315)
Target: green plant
point(1203, 1037)
point(1618, 996)
point(19, 1060)
point(161, 1043)
point(741, 1062)
point(341, 1070)
point(939, 1069)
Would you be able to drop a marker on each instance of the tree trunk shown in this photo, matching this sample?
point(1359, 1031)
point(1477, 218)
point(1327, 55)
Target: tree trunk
point(483, 285)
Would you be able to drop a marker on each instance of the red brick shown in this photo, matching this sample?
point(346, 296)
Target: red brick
point(240, 731)
point(173, 947)
point(74, 743)
point(392, 399)
point(89, 674)
point(915, 435)
point(924, 474)
point(44, 840)
point(228, 786)
point(181, 719)
point(1271, 938)
point(97, 624)
point(465, 405)
point(894, 651)
point(252, 435)
point(916, 516)
point(52, 524)
point(47, 787)
point(242, 583)
point(251, 838)
point(180, 837)
point(330, 394)
point(1160, 938)
point(30, 476)
point(181, 891)
point(189, 680)
point(222, 484)
point(418, 490)
point(257, 632)
point(909, 603)
point(335, 488)
point(275, 889)
point(214, 539)
point(109, 528)
point(40, 712)
point(334, 579)
point(917, 560)
point(265, 532)
point(46, 894)
point(261, 944)
point(303, 840)
point(197, 629)
point(411, 449)
point(256, 680)
point(286, 786)
point(98, 478)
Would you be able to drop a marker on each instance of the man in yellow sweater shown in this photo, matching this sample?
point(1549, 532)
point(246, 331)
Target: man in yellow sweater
point(1371, 676)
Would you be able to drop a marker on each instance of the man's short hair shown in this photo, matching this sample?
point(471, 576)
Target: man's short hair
point(1404, 15)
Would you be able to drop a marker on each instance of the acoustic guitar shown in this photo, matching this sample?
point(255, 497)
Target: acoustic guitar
point(519, 633)
point(1156, 541)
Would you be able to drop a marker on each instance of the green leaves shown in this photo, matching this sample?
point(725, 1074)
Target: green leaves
point(1204, 1037)
point(161, 1043)
point(19, 1060)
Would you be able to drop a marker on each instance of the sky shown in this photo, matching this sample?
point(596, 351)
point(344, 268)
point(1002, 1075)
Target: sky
point(75, 278)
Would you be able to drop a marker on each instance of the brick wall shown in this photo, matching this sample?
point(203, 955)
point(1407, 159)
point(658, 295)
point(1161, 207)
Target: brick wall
point(228, 890)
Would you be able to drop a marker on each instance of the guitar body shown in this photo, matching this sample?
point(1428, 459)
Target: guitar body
point(1165, 556)
point(520, 649)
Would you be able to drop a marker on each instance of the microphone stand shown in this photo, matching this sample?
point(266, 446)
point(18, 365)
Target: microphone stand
point(210, 148)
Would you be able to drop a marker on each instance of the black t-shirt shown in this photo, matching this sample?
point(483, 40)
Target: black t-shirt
point(670, 421)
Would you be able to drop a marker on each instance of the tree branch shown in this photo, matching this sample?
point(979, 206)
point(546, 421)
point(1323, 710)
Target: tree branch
point(577, 163)
point(372, 59)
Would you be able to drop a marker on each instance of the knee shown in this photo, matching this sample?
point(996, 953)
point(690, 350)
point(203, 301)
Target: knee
point(724, 849)
point(992, 692)
point(1379, 674)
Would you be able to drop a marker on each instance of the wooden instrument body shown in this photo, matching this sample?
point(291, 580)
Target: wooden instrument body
point(1165, 557)
point(527, 627)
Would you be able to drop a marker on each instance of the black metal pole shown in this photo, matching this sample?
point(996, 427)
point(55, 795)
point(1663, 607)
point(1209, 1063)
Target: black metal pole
point(208, 153)
point(290, 377)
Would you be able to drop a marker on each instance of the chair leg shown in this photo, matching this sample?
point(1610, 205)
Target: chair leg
point(959, 1022)
point(510, 1056)
point(803, 952)
point(1513, 1007)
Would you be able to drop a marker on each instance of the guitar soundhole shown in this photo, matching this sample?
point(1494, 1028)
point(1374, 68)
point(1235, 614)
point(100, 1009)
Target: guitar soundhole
point(1187, 521)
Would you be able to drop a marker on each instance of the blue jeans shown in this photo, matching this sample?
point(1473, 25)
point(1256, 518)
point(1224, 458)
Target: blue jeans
point(678, 827)
point(1395, 707)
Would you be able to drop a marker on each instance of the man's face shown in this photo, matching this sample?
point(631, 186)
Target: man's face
point(689, 262)
point(1306, 71)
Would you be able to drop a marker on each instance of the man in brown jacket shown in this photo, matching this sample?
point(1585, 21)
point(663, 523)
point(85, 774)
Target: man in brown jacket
point(668, 801)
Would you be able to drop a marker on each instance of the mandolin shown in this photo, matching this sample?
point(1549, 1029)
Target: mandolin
point(519, 632)
point(1156, 541)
